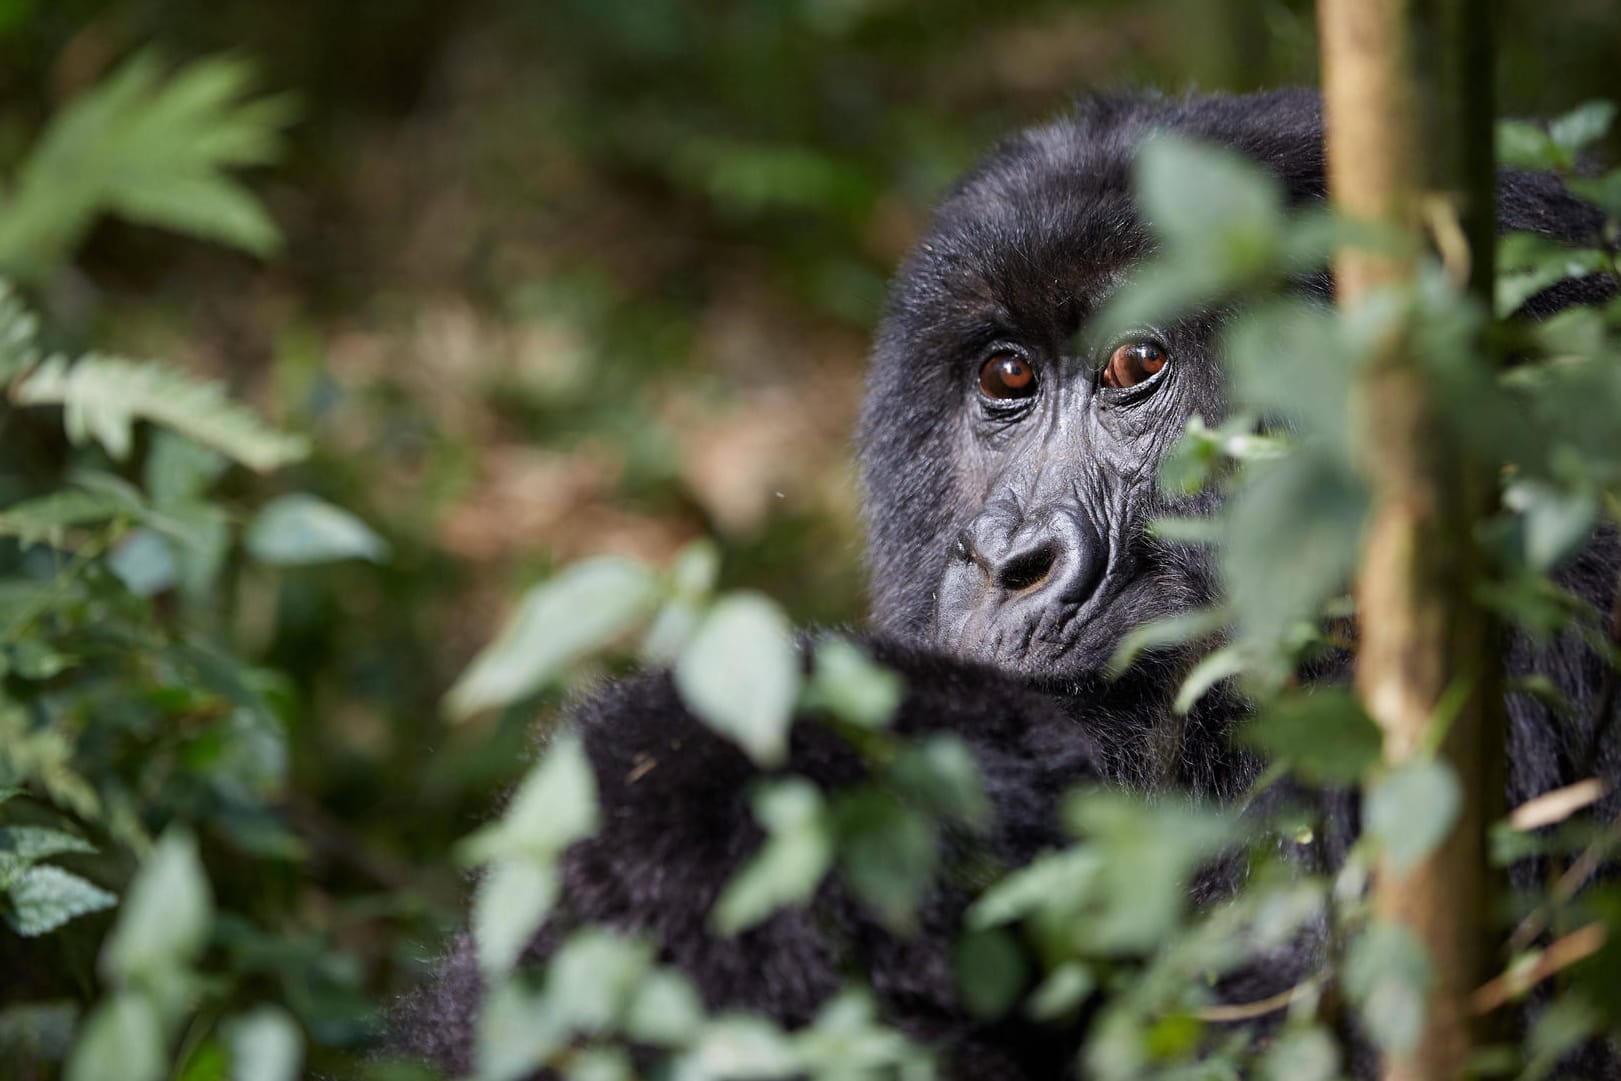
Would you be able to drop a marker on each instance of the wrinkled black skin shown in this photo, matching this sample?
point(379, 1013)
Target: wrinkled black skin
point(1023, 251)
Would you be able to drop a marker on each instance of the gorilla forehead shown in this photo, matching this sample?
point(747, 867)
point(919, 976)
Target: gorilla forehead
point(1028, 241)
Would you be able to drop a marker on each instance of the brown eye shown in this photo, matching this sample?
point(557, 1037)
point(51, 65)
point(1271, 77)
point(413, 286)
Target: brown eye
point(1133, 362)
point(1007, 375)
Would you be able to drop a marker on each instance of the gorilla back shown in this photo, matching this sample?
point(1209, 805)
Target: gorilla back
point(1009, 477)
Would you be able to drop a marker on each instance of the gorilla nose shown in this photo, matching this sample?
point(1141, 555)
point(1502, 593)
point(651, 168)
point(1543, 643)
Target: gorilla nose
point(1029, 555)
point(1014, 566)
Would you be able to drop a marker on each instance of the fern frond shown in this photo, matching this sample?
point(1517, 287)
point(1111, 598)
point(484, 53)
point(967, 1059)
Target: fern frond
point(103, 396)
point(18, 328)
point(150, 150)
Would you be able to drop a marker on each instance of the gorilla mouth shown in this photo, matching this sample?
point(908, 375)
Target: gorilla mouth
point(1043, 626)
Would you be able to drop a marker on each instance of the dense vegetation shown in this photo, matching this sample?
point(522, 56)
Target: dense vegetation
point(230, 798)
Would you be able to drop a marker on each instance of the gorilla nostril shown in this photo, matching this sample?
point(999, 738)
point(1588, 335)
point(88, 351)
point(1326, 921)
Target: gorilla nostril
point(1022, 570)
point(964, 548)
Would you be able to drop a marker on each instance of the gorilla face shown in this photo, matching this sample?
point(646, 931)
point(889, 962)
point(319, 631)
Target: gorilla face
point(1010, 455)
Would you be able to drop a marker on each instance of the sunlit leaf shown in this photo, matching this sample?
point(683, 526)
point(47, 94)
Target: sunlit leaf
point(103, 397)
point(265, 1044)
point(851, 686)
point(297, 529)
point(1583, 125)
point(151, 149)
point(166, 914)
point(1388, 976)
point(516, 1028)
point(122, 1040)
point(555, 806)
point(512, 901)
point(1305, 1054)
point(787, 869)
point(43, 898)
point(584, 609)
point(667, 1010)
point(1412, 809)
point(594, 978)
point(1323, 735)
point(735, 1047)
point(740, 675)
point(45, 519)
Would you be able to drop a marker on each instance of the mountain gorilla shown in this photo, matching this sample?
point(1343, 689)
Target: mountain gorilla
point(1008, 484)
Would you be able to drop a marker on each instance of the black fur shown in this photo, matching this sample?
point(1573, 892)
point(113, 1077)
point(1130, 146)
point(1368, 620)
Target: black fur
point(1022, 250)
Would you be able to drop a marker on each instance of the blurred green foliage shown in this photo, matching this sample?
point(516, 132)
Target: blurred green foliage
point(553, 279)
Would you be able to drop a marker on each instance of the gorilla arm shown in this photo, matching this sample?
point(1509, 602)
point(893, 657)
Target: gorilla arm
point(676, 824)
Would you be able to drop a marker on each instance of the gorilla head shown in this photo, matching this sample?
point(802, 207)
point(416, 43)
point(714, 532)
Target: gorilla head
point(1010, 457)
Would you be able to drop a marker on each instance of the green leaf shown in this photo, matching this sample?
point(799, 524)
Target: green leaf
point(1204, 197)
point(601, 1064)
point(1060, 877)
point(1529, 147)
point(1557, 520)
point(667, 1010)
point(516, 1029)
point(39, 842)
point(103, 396)
point(300, 529)
point(1582, 126)
point(584, 609)
point(735, 1047)
point(555, 806)
point(121, 1041)
point(850, 685)
point(41, 899)
point(1528, 263)
point(23, 846)
point(887, 853)
point(1412, 809)
point(594, 978)
point(1322, 734)
point(166, 915)
point(1164, 633)
point(1220, 664)
point(266, 1045)
point(46, 519)
point(1603, 191)
point(740, 675)
point(512, 902)
point(787, 869)
point(1147, 855)
point(144, 561)
point(177, 470)
point(1302, 1054)
point(1387, 975)
point(940, 775)
point(990, 971)
point(849, 1040)
point(150, 150)
point(1064, 989)
point(19, 351)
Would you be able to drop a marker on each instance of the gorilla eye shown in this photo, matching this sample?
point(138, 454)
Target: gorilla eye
point(1133, 362)
point(1006, 376)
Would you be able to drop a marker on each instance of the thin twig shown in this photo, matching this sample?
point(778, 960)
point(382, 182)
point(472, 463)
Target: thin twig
point(1248, 1011)
point(1560, 954)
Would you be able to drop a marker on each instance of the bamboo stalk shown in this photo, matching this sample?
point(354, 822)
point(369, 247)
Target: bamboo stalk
point(1419, 633)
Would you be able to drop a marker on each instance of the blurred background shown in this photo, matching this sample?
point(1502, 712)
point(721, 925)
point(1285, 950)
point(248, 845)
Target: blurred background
point(563, 278)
